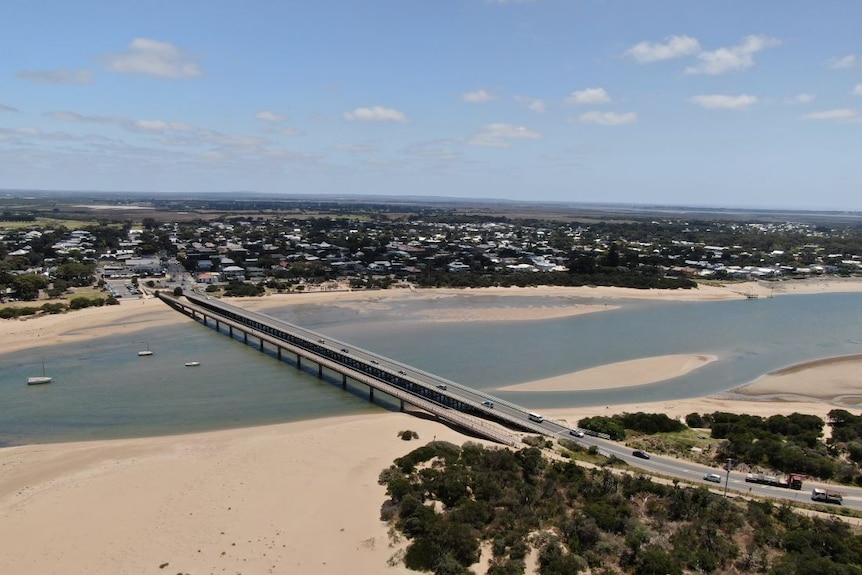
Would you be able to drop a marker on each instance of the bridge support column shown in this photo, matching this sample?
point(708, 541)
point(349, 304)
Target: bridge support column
point(343, 381)
point(298, 361)
point(402, 405)
point(245, 337)
point(320, 371)
point(218, 326)
point(279, 352)
point(230, 328)
point(261, 344)
point(194, 315)
point(370, 393)
point(205, 319)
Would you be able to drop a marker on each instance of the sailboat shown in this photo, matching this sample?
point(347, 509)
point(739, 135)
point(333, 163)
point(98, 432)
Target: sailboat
point(40, 379)
point(147, 351)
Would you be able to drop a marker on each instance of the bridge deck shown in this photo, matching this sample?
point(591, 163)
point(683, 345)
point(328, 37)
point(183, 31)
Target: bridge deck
point(459, 404)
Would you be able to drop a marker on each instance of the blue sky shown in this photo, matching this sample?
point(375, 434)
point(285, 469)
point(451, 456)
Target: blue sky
point(731, 103)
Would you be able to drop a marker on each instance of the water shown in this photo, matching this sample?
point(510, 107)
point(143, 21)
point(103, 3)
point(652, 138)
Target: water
point(102, 389)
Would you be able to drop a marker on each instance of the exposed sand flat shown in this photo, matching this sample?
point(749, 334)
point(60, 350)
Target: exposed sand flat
point(292, 498)
point(838, 380)
point(622, 374)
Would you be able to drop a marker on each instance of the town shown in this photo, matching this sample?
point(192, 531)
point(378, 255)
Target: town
point(294, 245)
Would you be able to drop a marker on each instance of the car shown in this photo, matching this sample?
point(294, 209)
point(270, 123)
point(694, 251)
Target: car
point(640, 453)
point(321, 341)
point(576, 432)
point(375, 362)
point(402, 372)
point(488, 403)
point(714, 477)
point(441, 386)
point(344, 350)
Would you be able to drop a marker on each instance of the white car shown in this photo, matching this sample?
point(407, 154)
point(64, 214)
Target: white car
point(714, 477)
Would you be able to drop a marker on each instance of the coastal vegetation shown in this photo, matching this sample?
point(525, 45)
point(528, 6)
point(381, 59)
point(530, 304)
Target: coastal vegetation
point(455, 505)
point(794, 443)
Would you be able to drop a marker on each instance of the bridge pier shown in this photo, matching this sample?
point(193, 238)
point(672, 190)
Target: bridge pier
point(370, 393)
point(279, 352)
point(320, 371)
point(245, 337)
point(261, 344)
point(231, 330)
point(402, 405)
point(205, 319)
point(298, 361)
point(218, 325)
point(343, 381)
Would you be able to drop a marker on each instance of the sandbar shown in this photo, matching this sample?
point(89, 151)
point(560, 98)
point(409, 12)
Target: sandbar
point(291, 498)
point(621, 374)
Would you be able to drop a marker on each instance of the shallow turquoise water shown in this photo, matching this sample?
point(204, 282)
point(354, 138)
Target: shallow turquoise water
point(102, 389)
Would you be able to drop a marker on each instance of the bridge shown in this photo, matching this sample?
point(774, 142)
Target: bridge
point(460, 405)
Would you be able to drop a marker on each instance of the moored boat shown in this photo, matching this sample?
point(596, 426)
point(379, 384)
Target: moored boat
point(192, 363)
point(40, 379)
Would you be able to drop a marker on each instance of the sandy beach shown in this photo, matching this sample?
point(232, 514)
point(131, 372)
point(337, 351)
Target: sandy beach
point(299, 497)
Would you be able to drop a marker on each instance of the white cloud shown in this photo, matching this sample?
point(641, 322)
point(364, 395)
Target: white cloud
point(673, 47)
point(837, 114)
point(738, 57)
point(61, 76)
point(269, 116)
point(159, 126)
point(357, 148)
point(153, 58)
point(289, 132)
point(532, 104)
point(477, 97)
point(802, 98)
point(7, 108)
point(375, 114)
point(857, 90)
point(498, 135)
point(590, 96)
point(723, 102)
point(608, 118)
point(842, 63)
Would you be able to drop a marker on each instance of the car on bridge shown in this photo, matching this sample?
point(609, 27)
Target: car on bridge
point(488, 403)
point(441, 386)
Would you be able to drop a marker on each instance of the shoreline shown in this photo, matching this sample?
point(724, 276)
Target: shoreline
point(298, 496)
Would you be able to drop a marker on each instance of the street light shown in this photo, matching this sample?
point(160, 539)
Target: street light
point(727, 478)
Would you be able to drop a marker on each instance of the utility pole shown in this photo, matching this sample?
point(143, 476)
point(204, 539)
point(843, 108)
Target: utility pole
point(727, 477)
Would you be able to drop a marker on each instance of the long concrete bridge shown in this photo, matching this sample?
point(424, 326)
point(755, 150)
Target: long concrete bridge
point(460, 405)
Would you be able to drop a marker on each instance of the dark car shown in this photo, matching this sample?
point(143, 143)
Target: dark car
point(640, 453)
point(344, 350)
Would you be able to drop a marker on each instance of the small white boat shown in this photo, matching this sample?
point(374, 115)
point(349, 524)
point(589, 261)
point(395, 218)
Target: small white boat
point(146, 351)
point(40, 379)
point(192, 363)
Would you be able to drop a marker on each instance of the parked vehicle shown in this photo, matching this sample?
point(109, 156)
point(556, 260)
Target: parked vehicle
point(826, 496)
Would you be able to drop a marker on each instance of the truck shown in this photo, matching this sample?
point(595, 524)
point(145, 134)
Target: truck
point(790, 481)
point(826, 496)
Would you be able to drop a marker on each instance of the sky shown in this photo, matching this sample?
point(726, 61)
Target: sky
point(672, 102)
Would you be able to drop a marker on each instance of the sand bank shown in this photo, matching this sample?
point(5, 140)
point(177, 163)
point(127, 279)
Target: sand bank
point(298, 497)
point(293, 498)
point(622, 374)
point(837, 380)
